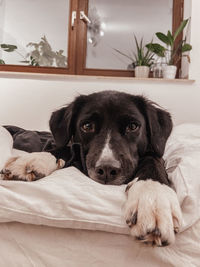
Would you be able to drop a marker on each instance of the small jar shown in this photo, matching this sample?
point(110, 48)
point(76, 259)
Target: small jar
point(157, 70)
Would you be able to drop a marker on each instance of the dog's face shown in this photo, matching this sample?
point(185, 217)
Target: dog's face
point(112, 132)
point(115, 131)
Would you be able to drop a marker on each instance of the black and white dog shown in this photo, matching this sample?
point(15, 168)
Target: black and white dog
point(123, 139)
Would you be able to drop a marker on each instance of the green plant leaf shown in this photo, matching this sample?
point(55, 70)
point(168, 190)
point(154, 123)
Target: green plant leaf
point(138, 48)
point(164, 38)
point(141, 57)
point(24, 61)
point(156, 48)
point(177, 50)
point(2, 62)
point(180, 28)
point(8, 47)
point(186, 48)
point(123, 54)
point(171, 38)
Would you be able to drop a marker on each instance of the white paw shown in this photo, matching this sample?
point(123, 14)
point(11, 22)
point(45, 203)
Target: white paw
point(153, 213)
point(31, 166)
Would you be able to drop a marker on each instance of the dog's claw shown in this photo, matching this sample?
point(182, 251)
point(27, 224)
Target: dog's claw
point(156, 232)
point(5, 171)
point(132, 220)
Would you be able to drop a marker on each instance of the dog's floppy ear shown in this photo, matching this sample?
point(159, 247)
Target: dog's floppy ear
point(60, 125)
point(159, 125)
point(62, 122)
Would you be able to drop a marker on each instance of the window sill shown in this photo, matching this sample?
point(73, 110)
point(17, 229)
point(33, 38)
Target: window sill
point(61, 77)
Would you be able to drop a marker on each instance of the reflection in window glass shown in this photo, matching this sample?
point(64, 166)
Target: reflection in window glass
point(34, 32)
point(113, 25)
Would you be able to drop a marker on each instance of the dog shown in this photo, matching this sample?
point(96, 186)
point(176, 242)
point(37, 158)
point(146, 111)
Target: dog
point(123, 138)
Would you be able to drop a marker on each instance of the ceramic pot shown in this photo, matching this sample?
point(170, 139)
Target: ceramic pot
point(169, 72)
point(142, 72)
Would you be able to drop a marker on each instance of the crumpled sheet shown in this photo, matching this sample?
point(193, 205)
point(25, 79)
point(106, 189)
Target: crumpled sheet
point(68, 199)
point(27, 245)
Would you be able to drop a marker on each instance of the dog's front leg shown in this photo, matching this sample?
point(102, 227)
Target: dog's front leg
point(31, 166)
point(152, 210)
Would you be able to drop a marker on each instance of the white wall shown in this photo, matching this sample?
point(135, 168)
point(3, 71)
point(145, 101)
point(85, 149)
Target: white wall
point(28, 102)
point(2, 14)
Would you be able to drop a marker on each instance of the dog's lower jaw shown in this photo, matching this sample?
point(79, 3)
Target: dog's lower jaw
point(152, 212)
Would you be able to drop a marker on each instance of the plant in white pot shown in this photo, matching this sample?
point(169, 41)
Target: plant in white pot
point(141, 60)
point(172, 53)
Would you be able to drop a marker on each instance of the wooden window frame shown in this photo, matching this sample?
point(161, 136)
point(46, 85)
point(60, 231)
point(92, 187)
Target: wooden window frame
point(77, 47)
point(177, 17)
point(70, 69)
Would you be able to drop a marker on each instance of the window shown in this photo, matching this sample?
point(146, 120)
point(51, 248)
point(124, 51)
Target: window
point(79, 36)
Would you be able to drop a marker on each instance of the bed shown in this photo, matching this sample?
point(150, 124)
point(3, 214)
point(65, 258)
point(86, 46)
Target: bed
point(67, 219)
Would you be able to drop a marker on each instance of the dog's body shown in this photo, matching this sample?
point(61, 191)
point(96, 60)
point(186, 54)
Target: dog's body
point(122, 137)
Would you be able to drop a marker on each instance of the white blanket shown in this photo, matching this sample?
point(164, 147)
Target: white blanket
point(6, 144)
point(69, 199)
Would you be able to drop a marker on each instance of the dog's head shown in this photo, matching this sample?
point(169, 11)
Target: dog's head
point(115, 130)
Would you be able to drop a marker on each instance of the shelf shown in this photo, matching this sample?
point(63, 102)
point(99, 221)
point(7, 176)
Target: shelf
point(62, 77)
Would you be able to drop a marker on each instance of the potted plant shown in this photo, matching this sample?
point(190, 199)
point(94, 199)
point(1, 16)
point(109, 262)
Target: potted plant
point(7, 48)
point(172, 53)
point(41, 54)
point(141, 60)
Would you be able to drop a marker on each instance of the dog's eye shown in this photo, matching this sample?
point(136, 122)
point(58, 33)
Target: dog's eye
point(88, 127)
point(131, 127)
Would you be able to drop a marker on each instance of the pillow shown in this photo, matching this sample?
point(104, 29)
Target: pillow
point(182, 159)
point(6, 144)
point(67, 198)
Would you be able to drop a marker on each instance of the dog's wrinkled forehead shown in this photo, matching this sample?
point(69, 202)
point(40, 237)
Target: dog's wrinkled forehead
point(110, 105)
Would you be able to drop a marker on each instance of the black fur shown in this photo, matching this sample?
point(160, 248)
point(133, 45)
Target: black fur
point(115, 114)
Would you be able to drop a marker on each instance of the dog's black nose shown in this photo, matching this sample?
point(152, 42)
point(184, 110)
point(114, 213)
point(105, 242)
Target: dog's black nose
point(106, 173)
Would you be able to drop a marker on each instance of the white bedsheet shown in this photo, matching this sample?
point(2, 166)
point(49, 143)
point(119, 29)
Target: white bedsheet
point(27, 245)
point(68, 199)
